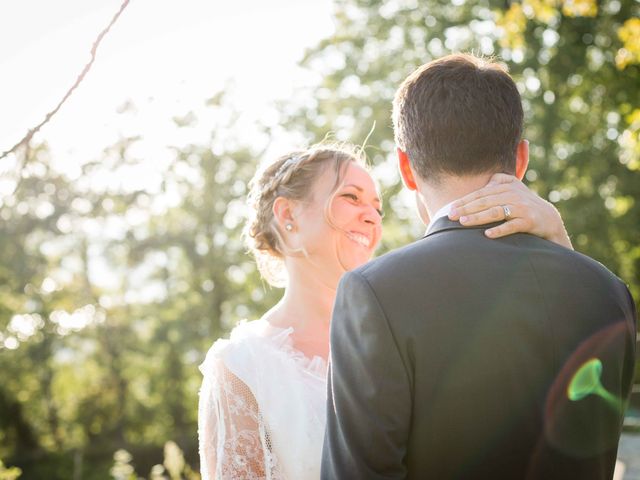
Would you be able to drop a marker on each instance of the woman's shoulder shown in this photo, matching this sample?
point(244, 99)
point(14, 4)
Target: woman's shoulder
point(250, 332)
point(245, 340)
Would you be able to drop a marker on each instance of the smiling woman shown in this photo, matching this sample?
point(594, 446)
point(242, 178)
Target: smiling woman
point(299, 206)
point(355, 216)
point(316, 214)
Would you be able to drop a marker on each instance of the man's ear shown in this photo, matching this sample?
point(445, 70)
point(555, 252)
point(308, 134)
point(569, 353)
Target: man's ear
point(406, 173)
point(283, 213)
point(522, 158)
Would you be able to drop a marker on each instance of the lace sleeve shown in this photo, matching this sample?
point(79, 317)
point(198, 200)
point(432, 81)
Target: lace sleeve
point(232, 439)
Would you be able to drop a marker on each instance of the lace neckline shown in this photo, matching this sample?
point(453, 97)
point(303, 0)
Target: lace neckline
point(280, 339)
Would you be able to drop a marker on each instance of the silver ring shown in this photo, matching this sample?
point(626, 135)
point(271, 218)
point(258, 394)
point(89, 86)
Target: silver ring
point(507, 212)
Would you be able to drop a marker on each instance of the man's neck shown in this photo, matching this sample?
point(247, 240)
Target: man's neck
point(448, 190)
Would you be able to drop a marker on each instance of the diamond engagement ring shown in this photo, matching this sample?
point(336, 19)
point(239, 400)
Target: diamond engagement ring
point(507, 212)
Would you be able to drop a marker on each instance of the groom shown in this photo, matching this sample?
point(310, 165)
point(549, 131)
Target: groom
point(462, 357)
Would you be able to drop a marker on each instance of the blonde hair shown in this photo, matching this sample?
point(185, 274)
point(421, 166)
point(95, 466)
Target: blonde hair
point(290, 176)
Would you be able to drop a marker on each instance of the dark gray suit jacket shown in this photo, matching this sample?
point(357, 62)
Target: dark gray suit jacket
point(456, 357)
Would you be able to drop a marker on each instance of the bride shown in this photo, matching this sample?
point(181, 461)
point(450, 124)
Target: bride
point(316, 214)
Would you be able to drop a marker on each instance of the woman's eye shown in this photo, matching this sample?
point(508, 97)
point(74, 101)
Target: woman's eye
point(352, 196)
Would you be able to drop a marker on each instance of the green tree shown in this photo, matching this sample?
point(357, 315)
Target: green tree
point(99, 364)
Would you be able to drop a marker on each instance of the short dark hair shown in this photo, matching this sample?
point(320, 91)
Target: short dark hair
point(458, 115)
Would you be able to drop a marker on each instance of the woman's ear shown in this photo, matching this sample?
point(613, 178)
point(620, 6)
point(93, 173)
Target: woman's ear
point(283, 214)
point(405, 170)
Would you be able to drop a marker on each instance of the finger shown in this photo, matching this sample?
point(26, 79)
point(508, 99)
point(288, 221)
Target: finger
point(499, 178)
point(493, 214)
point(485, 203)
point(460, 206)
point(507, 228)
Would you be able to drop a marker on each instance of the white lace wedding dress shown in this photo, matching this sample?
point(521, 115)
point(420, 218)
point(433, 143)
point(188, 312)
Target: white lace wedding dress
point(262, 407)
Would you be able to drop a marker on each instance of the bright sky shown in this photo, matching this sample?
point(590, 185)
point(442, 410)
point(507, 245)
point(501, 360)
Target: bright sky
point(167, 58)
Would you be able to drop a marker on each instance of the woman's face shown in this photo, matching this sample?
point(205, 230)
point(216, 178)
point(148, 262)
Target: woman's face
point(355, 214)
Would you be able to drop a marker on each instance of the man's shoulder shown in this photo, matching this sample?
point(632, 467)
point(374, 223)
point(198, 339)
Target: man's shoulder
point(436, 252)
point(431, 245)
point(393, 258)
point(538, 248)
point(404, 260)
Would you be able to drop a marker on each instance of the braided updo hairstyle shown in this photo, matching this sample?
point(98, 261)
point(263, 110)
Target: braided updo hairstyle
point(291, 176)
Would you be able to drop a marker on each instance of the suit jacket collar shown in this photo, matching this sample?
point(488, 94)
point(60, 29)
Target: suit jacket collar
point(443, 212)
point(443, 224)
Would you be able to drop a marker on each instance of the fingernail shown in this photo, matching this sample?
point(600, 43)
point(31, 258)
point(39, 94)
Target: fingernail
point(453, 212)
point(488, 233)
point(464, 219)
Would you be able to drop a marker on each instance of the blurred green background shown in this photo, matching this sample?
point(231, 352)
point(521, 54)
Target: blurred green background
point(97, 380)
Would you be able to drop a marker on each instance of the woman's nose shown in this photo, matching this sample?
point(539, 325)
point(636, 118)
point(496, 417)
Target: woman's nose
point(371, 215)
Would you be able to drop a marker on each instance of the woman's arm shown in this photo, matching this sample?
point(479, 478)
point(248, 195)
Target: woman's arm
point(529, 213)
point(230, 442)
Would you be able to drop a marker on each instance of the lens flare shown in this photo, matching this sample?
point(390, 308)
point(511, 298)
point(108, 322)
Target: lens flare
point(584, 406)
point(586, 381)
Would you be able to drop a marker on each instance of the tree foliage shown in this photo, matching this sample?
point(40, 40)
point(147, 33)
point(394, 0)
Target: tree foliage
point(110, 296)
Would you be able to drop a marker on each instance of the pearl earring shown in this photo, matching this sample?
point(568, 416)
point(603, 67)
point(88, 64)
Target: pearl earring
point(288, 227)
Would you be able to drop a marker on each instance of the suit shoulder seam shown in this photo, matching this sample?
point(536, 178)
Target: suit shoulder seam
point(546, 307)
point(386, 321)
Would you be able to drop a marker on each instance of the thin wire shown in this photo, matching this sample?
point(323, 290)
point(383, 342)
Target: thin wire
point(27, 138)
point(364, 144)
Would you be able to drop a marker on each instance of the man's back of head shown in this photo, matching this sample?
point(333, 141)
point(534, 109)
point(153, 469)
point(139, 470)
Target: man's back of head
point(459, 115)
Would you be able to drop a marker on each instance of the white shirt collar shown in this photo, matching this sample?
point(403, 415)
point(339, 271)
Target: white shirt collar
point(443, 212)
